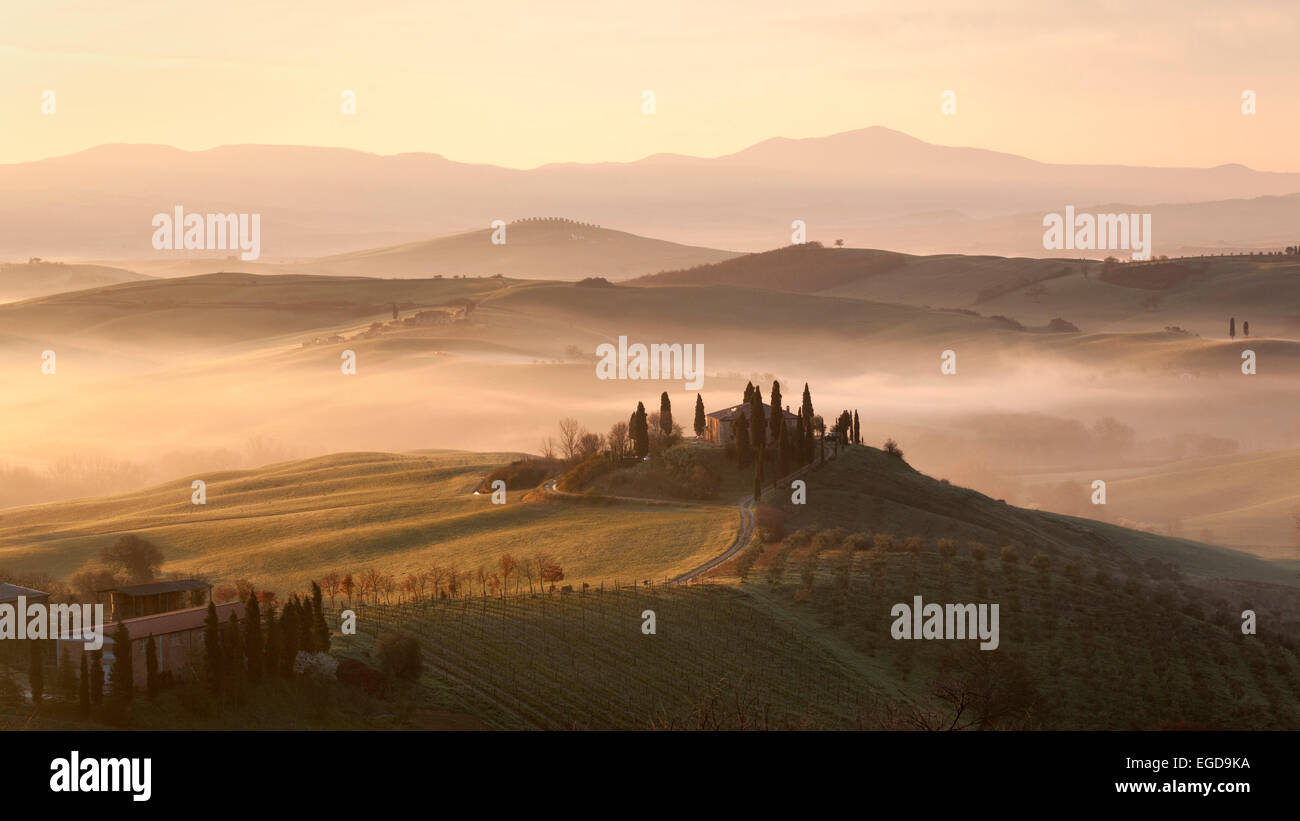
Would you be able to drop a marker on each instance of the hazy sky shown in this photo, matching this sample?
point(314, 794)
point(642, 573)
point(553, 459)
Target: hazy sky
point(526, 83)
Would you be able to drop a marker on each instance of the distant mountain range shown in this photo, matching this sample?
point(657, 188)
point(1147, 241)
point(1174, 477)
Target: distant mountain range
point(872, 187)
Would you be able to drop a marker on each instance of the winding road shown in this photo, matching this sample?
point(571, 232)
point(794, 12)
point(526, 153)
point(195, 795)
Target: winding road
point(743, 534)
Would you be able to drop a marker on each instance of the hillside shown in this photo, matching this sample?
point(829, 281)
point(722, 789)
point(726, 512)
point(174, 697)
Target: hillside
point(802, 638)
point(27, 280)
point(534, 248)
point(286, 523)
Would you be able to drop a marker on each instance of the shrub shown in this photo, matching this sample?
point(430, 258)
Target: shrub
point(771, 523)
point(884, 542)
point(584, 473)
point(857, 541)
point(1009, 554)
point(891, 447)
point(913, 544)
point(1041, 561)
point(947, 547)
point(316, 665)
point(977, 551)
point(362, 676)
point(399, 656)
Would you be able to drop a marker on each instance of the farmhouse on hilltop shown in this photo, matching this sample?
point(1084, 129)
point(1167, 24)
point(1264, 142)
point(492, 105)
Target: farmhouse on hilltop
point(720, 424)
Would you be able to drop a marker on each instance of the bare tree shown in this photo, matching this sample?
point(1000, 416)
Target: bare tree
point(331, 584)
point(548, 447)
point(618, 440)
point(437, 575)
point(570, 433)
point(508, 565)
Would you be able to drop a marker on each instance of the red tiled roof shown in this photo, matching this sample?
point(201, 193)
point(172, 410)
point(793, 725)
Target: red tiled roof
point(176, 621)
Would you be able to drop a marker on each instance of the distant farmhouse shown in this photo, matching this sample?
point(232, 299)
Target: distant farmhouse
point(720, 424)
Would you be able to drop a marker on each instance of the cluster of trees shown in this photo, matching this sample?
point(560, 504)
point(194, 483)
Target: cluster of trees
point(753, 433)
point(540, 572)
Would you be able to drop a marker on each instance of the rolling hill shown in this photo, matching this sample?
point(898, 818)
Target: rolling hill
point(284, 524)
point(534, 248)
point(19, 281)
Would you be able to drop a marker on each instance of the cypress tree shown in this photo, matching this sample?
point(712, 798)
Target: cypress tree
point(212, 648)
point(749, 392)
point(151, 667)
point(757, 423)
point(123, 666)
point(289, 637)
point(1232, 327)
point(320, 627)
point(777, 420)
point(700, 422)
point(83, 691)
point(807, 405)
point(271, 667)
point(36, 672)
point(97, 679)
point(234, 654)
point(306, 625)
point(665, 414)
point(809, 441)
point(740, 430)
point(641, 432)
point(782, 456)
point(253, 640)
point(857, 429)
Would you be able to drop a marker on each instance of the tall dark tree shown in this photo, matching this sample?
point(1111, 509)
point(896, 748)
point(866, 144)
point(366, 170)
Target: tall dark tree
point(123, 666)
point(233, 648)
point(749, 392)
point(809, 440)
point(320, 629)
point(777, 419)
point(844, 427)
point(640, 432)
point(757, 423)
point(1245, 328)
point(151, 667)
point(1232, 327)
point(83, 691)
point(807, 403)
point(306, 623)
point(253, 648)
point(97, 679)
point(857, 429)
point(700, 422)
point(289, 636)
point(665, 414)
point(740, 430)
point(783, 462)
point(271, 666)
point(36, 672)
point(212, 648)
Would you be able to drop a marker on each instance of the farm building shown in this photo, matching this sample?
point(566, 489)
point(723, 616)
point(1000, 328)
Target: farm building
point(178, 636)
point(720, 424)
point(147, 599)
